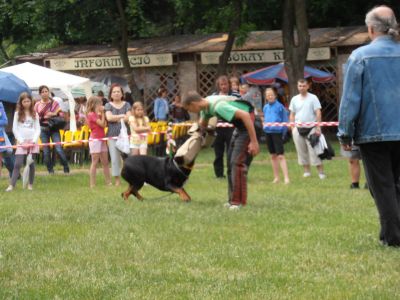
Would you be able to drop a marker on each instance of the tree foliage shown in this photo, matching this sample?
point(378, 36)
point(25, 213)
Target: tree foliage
point(33, 25)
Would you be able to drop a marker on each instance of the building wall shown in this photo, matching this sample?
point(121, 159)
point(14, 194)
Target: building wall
point(341, 61)
point(187, 73)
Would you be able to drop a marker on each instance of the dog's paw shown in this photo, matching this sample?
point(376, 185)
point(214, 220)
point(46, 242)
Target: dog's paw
point(125, 197)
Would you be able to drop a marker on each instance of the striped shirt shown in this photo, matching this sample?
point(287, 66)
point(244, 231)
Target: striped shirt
point(43, 107)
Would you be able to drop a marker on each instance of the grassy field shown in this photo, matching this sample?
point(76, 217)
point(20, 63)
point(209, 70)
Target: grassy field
point(312, 239)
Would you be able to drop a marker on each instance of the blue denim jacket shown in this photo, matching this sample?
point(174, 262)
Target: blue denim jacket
point(370, 106)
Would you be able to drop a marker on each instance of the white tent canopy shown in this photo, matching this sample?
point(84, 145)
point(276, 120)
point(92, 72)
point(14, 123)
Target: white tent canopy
point(35, 76)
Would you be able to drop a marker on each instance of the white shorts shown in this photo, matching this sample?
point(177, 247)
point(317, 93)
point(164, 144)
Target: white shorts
point(98, 147)
point(138, 146)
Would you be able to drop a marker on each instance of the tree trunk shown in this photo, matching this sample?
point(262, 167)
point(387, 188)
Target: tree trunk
point(122, 45)
point(235, 25)
point(296, 41)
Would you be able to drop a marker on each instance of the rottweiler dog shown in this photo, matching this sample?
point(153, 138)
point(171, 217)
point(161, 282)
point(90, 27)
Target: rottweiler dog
point(163, 173)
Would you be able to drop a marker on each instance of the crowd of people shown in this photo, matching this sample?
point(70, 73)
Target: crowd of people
point(105, 116)
point(33, 121)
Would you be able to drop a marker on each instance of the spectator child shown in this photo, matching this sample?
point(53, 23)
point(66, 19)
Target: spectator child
point(26, 129)
point(161, 105)
point(243, 89)
point(178, 113)
point(274, 111)
point(100, 94)
point(80, 112)
point(96, 120)
point(140, 126)
point(234, 83)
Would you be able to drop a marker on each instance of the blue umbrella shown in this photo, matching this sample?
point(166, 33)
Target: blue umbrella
point(267, 76)
point(11, 87)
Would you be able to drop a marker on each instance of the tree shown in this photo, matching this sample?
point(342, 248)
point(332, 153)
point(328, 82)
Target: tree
point(230, 16)
point(100, 22)
point(21, 28)
point(122, 45)
point(236, 21)
point(296, 40)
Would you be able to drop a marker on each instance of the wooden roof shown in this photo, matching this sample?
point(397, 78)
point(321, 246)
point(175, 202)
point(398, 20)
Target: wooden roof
point(257, 40)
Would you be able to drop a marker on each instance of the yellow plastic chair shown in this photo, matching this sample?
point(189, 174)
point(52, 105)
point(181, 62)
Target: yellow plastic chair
point(68, 138)
point(77, 137)
point(150, 139)
point(175, 131)
point(62, 132)
point(85, 133)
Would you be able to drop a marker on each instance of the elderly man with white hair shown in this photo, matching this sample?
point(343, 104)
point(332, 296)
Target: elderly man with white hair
point(369, 114)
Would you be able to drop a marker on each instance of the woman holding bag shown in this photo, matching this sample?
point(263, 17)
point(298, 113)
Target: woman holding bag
point(47, 108)
point(116, 110)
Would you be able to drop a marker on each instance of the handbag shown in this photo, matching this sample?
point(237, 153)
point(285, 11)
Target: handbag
point(122, 143)
point(56, 123)
point(304, 131)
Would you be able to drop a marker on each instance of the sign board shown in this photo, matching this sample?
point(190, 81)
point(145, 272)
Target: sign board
point(110, 62)
point(262, 56)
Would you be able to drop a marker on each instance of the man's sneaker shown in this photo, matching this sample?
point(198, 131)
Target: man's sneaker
point(9, 188)
point(227, 205)
point(306, 174)
point(322, 176)
point(234, 207)
point(355, 185)
point(66, 170)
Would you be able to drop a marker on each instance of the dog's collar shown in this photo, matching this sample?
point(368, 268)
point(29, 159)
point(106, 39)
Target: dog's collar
point(179, 169)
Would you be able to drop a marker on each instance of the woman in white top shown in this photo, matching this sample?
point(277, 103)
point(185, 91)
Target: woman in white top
point(26, 129)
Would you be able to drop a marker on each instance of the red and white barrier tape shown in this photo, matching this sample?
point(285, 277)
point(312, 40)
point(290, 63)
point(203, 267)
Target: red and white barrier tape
point(287, 124)
point(169, 135)
point(75, 142)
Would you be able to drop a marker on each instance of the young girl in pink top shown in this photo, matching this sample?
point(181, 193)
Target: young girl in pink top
point(98, 149)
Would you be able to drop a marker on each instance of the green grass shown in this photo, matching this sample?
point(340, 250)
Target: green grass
point(312, 239)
